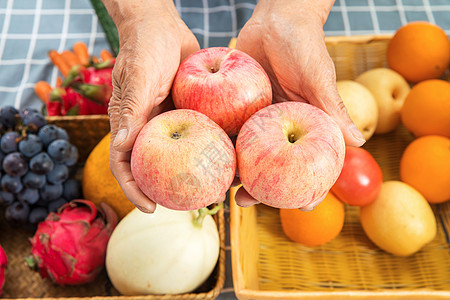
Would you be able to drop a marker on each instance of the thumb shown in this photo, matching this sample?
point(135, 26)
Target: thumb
point(132, 102)
point(329, 101)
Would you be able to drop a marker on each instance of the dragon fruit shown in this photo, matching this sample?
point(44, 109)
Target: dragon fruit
point(69, 246)
point(85, 91)
point(3, 263)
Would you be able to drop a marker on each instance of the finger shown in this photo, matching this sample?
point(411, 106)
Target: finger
point(312, 205)
point(326, 97)
point(243, 198)
point(120, 167)
point(333, 105)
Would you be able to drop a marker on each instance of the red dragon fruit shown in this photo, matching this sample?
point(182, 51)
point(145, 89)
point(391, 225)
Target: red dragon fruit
point(85, 91)
point(69, 246)
point(3, 263)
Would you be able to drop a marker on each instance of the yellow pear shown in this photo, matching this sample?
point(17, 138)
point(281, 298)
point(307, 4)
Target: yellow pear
point(400, 221)
point(361, 106)
point(389, 90)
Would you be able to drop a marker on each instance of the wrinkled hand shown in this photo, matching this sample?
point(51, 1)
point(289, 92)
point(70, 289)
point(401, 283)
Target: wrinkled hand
point(288, 41)
point(153, 41)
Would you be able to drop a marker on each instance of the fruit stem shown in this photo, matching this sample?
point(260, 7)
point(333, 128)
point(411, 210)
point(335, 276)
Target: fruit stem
point(292, 138)
point(203, 212)
point(31, 262)
point(175, 135)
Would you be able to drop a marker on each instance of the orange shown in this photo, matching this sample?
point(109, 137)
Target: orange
point(426, 109)
point(316, 227)
point(425, 165)
point(98, 182)
point(418, 51)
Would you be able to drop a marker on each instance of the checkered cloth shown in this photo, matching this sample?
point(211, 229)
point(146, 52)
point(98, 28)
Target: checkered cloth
point(29, 29)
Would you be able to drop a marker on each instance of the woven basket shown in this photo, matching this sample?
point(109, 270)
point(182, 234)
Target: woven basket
point(267, 265)
point(85, 132)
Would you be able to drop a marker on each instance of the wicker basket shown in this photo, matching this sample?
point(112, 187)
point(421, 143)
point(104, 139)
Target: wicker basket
point(266, 265)
point(85, 132)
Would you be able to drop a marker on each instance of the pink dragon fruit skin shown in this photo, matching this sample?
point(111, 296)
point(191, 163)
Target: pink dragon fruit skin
point(69, 246)
point(3, 264)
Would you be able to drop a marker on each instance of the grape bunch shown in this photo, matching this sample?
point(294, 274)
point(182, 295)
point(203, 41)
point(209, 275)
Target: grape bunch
point(37, 164)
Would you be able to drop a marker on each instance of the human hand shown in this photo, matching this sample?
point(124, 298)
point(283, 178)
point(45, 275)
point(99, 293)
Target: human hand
point(287, 39)
point(153, 41)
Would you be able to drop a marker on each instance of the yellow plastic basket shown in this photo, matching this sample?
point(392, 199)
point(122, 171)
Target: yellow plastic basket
point(267, 265)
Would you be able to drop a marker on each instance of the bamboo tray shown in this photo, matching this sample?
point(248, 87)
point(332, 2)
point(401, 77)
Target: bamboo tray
point(22, 283)
point(266, 265)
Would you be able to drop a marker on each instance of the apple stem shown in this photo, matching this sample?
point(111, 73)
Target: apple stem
point(213, 70)
point(203, 212)
point(292, 138)
point(175, 135)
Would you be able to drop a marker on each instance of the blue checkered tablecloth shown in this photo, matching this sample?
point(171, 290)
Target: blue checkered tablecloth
point(29, 29)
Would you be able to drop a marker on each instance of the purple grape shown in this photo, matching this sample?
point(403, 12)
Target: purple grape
point(50, 132)
point(30, 145)
point(37, 215)
point(30, 196)
point(41, 163)
point(73, 156)
point(51, 192)
point(11, 184)
point(15, 164)
point(72, 189)
point(62, 134)
point(34, 120)
point(8, 116)
point(55, 204)
point(32, 180)
point(59, 174)
point(26, 111)
point(8, 142)
point(60, 150)
point(6, 198)
point(17, 212)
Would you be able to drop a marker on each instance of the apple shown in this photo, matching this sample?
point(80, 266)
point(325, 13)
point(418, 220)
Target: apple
point(182, 160)
point(361, 106)
point(225, 84)
point(360, 180)
point(289, 155)
point(390, 90)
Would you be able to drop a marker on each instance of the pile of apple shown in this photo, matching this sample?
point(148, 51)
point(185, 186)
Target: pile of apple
point(287, 155)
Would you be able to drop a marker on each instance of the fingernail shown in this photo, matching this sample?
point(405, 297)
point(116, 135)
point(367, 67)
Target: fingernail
point(120, 137)
point(357, 134)
point(144, 209)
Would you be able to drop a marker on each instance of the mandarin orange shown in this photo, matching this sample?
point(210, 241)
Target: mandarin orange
point(418, 51)
point(316, 227)
point(426, 109)
point(425, 165)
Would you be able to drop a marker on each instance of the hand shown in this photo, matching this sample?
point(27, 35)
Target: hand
point(287, 39)
point(153, 41)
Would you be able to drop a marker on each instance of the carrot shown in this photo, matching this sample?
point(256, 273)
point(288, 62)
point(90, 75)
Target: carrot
point(59, 81)
point(70, 58)
point(43, 90)
point(59, 62)
point(105, 55)
point(81, 51)
point(94, 59)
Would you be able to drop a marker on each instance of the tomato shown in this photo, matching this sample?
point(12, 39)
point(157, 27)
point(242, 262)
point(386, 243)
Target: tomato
point(360, 180)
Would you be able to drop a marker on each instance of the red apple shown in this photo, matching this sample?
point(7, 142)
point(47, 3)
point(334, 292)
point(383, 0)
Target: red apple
point(182, 160)
point(289, 155)
point(225, 84)
point(360, 180)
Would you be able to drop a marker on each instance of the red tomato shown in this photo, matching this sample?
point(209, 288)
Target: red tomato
point(360, 180)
